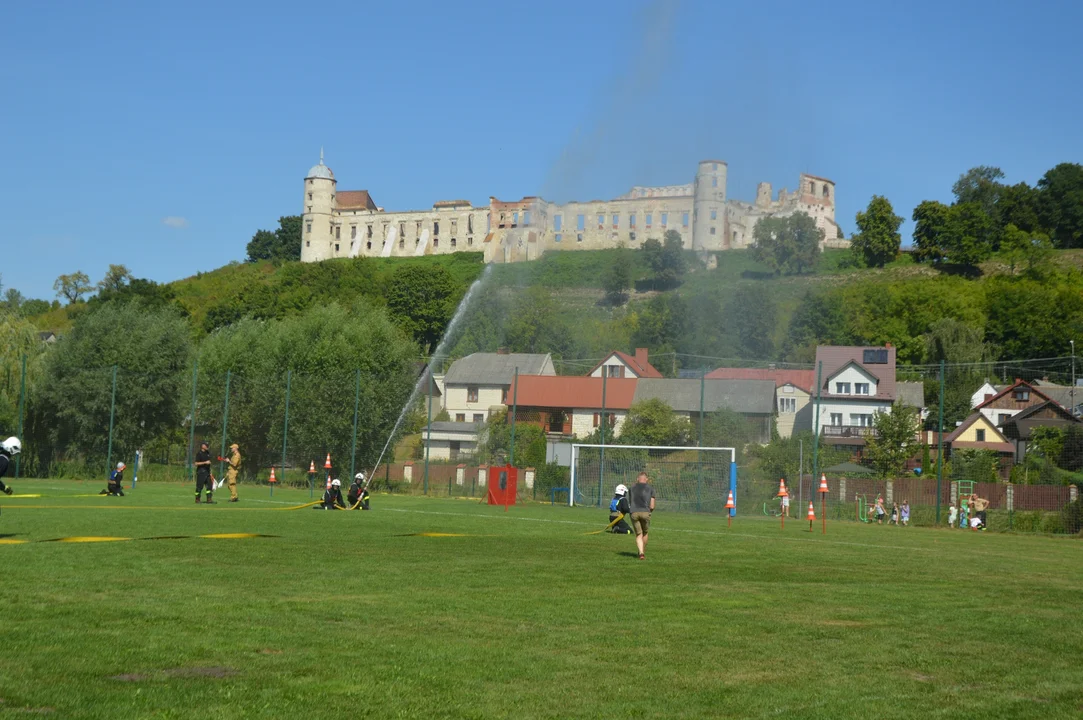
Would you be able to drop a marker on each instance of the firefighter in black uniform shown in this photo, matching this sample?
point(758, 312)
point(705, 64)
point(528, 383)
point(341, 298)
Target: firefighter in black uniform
point(620, 508)
point(8, 449)
point(203, 473)
point(116, 482)
point(358, 496)
point(332, 498)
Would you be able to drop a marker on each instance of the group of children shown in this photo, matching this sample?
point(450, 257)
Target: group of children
point(900, 514)
point(970, 514)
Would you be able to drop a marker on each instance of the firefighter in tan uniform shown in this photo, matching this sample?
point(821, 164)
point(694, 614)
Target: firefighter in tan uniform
point(234, 462)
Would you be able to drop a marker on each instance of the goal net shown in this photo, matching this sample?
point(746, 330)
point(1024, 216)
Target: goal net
point(695, 479)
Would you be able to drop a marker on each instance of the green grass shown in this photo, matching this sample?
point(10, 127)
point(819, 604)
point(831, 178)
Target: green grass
point(526, 616)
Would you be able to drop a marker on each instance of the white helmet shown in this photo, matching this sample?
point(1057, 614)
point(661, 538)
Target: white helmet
point(121, 466)
point(359, 476)
point(12, 446)
point(621, 490)
point(336, 483)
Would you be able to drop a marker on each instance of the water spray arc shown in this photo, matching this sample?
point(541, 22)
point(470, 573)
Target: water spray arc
point(438, 354)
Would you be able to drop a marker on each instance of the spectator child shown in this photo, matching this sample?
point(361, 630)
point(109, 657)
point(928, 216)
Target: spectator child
point(894, 514)
point(904, 512)
point(953, 514)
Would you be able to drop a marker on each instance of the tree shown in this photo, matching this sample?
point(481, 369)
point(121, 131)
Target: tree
point(787, 244)
point(618, 277)
point(72, 287)
point(151, 350)
point(930, 222)
point(653, 422)
point(422, 299)
point(18, 338)
point(529, 442)
point(1060, 204)
point(893, 443)
point(283, 244)
point(955, 342)
point(13, 300)
point(751, 315)
point(1021, 248)
point(661, 325)
point(534, 325)
point(1018, 205)
point(821, 318)
point(969, 235)
point(980, 185)
point(666, 259)
point(116, 278)
point(877, 240)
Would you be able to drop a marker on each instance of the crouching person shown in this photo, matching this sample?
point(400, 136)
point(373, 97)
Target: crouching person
point(116, 482)
point(358, 496)
point(619, 508)
point(332, 498)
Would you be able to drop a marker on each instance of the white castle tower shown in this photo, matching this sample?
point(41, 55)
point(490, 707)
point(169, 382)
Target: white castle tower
point(709, 205)
point(318, 231)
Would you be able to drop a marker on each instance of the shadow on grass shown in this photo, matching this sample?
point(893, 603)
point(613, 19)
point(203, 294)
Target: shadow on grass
point(626, 553)
point(8, 535)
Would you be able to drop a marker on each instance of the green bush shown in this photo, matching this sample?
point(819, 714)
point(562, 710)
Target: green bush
point(549, 476)
point(1052, 523)
point(1072, 517)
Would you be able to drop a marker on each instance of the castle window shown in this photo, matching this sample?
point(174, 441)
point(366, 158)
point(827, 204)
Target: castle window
point(558, 222)
point(310, 208)
point(714, 214)
point(369, 231)
point(580, 222)
point(454, 226)
point(714, 166)
point(338, 232)
point(616, 220)
point(632, 236)
point(332, 198)
point(402, 230)
point(526, 218)
point(452, 242)
point(368, 245)
point(488, 222)
point(579, 237)
point(308, 243)
point(435, 227)
point(734, 236)
point(684, 218)
point(470, 241)
point(558, 237)
point(353, 232)
point(310, 196)
point(402, 244)
point(436, 242)
point(515, 219)
point(665, 219)
point(712, 229)
point(336, 247)
point(331, 228)
point(714, 182)
point(812, 187)
point(632, 220)
point(601, 221)
point(827, 193)
point(469, 224)
point(650, 217)
point(308, 227)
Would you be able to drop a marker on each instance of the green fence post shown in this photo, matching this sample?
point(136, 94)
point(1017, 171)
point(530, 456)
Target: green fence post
point(816, 425)
point(192, 420)
point(514, 413)
point(225, 423)
point(356, 407)
point(940, 445)
point(428, 430)
point(22, 411)
point(601, 468)
point(285, 424)
point(699, 443)
point(112, 414)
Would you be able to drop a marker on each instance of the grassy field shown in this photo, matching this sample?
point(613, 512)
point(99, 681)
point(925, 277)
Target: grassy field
point(450, 609)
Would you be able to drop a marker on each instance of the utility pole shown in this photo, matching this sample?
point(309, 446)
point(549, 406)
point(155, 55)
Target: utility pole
point(1071, 393)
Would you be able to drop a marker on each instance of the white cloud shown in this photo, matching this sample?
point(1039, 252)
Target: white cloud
point(174, 221)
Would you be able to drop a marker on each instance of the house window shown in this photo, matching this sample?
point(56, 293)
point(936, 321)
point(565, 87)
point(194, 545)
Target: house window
point(460, 417)
point(1021, 394)
point(353, 232)
point(471, 393)
point(580, 221)
point(614, 371)
point(308, 227)
point(650, 216)
point(787, 405)
point(608, 419)
point(842, 388)
point(504, 396)
point(665, 219)
point(558, 237)
point(875, 356)
point(980, 435)
point(479, 418)
point(1003, 418)
point(684, 219)
point(836, 419)
point(861, 388)
point(860, 420)
point(632, 221)
point(558, 223)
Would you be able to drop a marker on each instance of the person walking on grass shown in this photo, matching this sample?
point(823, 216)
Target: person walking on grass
point(880, 510)
point(234, 462)
point(642, 505)
point(203, 472)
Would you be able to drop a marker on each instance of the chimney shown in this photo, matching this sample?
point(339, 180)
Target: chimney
point(641, 357)
point(501, 351)
point(887, 345)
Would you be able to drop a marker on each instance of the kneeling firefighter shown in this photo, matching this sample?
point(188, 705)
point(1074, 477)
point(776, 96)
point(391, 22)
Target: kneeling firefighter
point(332, 498)
point(358, 496)
point(619, 508)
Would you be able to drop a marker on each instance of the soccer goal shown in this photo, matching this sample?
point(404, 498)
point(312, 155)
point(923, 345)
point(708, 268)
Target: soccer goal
point(684, 478)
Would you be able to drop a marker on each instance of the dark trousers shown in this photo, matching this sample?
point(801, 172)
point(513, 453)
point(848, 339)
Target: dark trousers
point(204, 482)
point(622, 527)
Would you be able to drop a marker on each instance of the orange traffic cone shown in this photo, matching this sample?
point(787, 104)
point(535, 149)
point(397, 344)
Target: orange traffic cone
point(312, 467)
point(823, 483)
point(811, 515)
point(328, 487)
point(272, 478)
point(782, 491)
point(730, 505)
point(327, 462)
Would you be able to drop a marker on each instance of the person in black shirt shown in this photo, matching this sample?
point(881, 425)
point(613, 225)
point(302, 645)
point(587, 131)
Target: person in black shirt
point(115, 486)
point(203, 473)
point(619, 508)
point(358, 496)
point(332, 498)
point(8, 449)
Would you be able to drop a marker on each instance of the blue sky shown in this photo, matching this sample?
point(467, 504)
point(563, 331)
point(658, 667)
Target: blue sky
point(162, 135)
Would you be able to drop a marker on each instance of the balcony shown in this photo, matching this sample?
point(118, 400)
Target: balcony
point(850, 431)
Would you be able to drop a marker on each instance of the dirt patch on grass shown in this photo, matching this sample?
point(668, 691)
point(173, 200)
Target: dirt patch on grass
point(842, 623)
point(129, 677)
point(921, 677)
point(269, 651)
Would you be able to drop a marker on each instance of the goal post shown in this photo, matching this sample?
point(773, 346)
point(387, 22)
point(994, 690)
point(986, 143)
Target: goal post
point(694, 479)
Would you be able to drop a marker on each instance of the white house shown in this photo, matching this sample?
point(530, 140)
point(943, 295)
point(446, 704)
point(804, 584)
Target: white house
point(856, 383)
point(451, 440)
point(477, 384)
point(623, 365)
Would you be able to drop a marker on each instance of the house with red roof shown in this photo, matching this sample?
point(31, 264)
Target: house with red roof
point(572, 405)
point(1011, 400)
point(622, 365)
point(977, 432)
